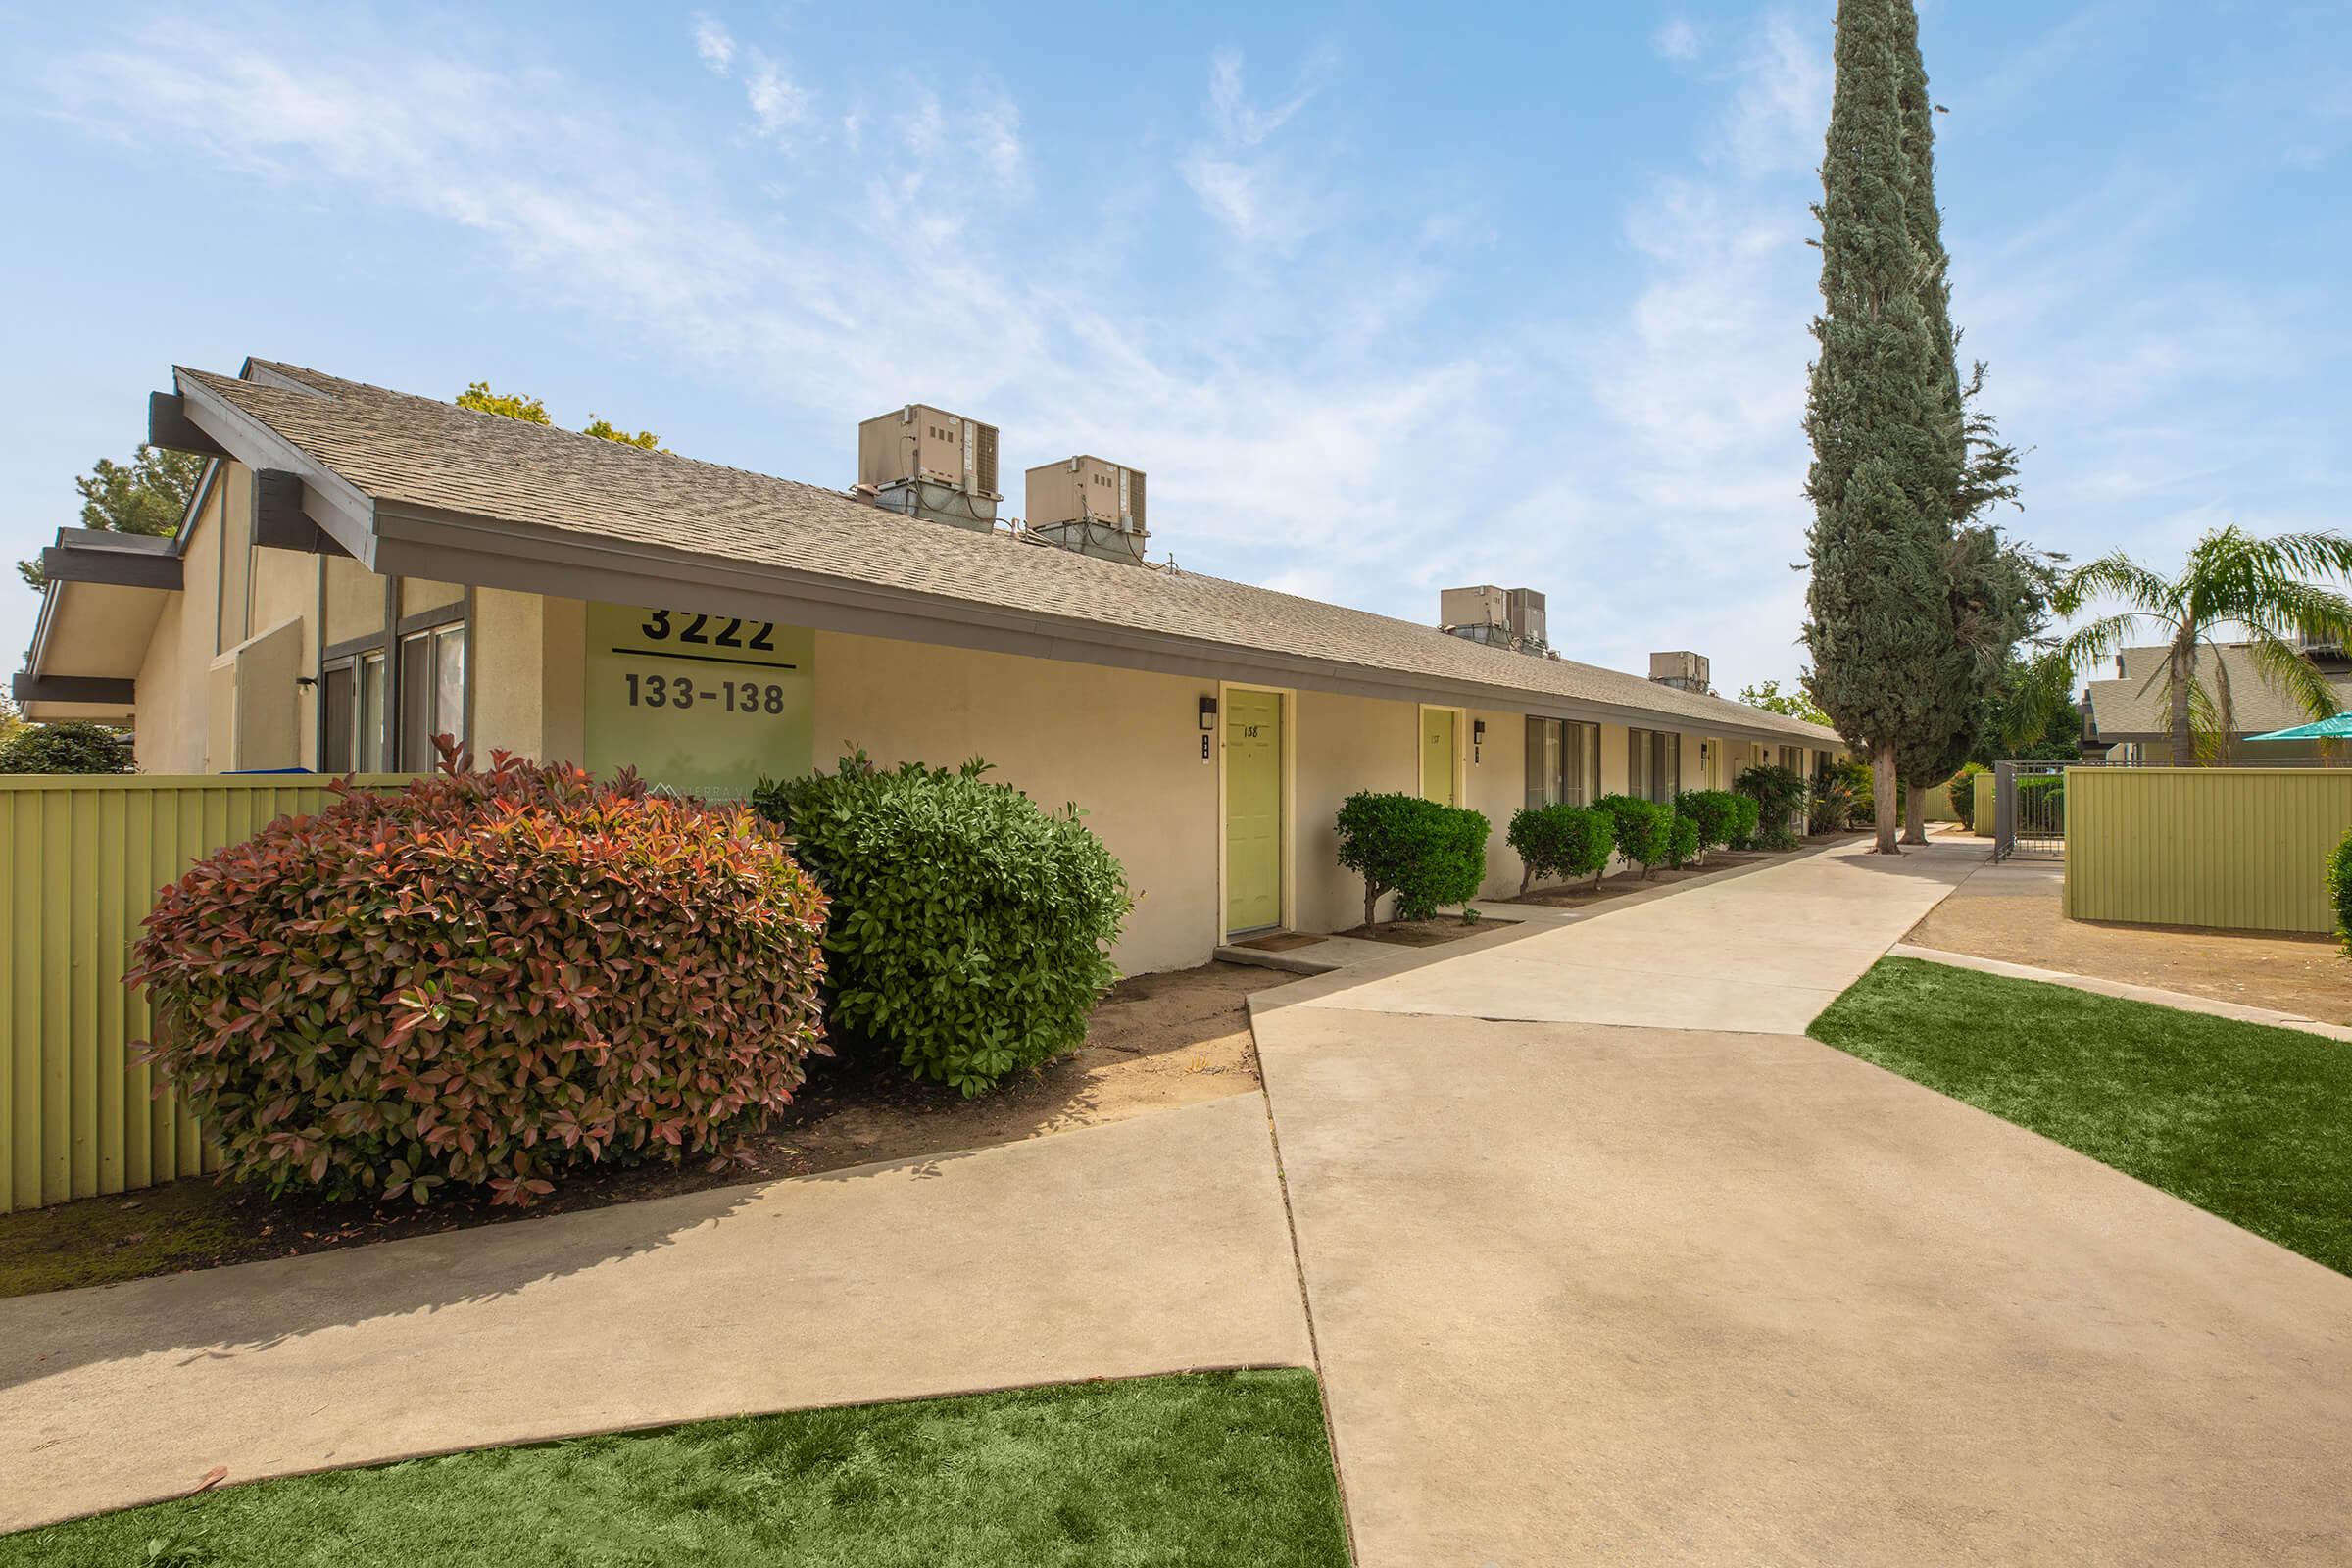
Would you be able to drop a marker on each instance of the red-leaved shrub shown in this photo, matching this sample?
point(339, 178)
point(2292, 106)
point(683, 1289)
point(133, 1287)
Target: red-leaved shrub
point(483, 979)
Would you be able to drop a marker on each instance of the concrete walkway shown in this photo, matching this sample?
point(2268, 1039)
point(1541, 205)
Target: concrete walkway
point(1019, 1264)
point(1606, 1262)
point(2209, 1006)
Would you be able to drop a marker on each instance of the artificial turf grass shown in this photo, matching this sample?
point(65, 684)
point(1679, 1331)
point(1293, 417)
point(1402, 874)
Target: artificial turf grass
point(2248, 1122)
point(1204, 1469)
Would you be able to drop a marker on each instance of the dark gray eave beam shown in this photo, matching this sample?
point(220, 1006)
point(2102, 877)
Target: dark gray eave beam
point(124, 569)
point(103, 690)
point(170, 427)
point(345, 512)
point(281, 520)
point(487, 552)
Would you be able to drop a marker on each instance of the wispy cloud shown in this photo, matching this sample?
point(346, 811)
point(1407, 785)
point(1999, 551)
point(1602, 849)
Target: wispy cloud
point(1678, 38)
point(777, 102)
point(713, 43)
point(1247, 184)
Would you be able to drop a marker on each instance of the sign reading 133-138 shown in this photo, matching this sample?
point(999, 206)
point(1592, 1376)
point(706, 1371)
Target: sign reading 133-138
point(704, 703)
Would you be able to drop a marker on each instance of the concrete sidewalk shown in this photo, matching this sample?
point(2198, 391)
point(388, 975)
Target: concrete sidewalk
point(1018, 1264)
point(1595, 1279)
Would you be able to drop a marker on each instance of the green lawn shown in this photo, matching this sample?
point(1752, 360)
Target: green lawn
point(2248, 1122)
point(1210, 1469)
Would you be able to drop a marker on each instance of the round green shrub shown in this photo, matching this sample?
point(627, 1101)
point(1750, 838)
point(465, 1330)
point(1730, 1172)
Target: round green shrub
point(69, 748)
point(1426, 853)
point(1779, 793)
point(1682, 845)
point(971, 930)
point(1645, 829)
point(1714, 814)
point(484, 980)
point(1963, 790)
point(1560, 841)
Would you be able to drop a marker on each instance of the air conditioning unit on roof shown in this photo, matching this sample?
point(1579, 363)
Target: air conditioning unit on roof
point(930, 464)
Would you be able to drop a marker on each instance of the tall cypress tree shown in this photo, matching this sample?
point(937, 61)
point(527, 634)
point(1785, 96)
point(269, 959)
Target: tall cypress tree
point(1997, 588)
point(1880, 617)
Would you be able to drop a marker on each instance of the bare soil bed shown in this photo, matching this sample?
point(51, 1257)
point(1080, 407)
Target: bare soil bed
point(1155, 1041)
point(1422, 933)
point(2016, 914)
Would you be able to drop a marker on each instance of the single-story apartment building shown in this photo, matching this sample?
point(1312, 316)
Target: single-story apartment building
point(361, 569)
point(2128, 713)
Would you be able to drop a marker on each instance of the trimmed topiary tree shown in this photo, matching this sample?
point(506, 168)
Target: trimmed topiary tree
point(1682, 843)
point(971, 929)
point(484, 980)
point(1713, 816)
point(1645, 829)
point(1561, 841)
point(69, 748)
point(1426, 853)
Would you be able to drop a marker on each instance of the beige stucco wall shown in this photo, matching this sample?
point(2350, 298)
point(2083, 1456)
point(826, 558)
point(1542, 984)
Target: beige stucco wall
point(527, 668)
point(1340, 745)
point(1124, 745)
point(172, 731)
point(355, 600)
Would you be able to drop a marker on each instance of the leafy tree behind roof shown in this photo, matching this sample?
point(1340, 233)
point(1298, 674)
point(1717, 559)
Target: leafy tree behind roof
point(149, 495)
point(530, 410)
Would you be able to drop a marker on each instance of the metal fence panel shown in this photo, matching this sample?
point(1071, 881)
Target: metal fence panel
point(82, 859)
point(2236, 848)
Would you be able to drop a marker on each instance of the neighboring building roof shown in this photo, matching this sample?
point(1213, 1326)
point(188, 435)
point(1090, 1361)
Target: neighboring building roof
point(428, 477)
point(2134, 706)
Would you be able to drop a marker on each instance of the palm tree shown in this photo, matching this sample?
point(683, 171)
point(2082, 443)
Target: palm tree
point(2267, 588)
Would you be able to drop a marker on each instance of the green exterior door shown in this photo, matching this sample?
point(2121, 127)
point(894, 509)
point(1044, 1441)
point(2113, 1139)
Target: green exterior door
point(1253, 809)
point(1437, 755)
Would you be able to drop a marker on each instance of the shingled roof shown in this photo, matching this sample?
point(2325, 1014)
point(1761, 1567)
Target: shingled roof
point(2136, 707)
point(404, 452)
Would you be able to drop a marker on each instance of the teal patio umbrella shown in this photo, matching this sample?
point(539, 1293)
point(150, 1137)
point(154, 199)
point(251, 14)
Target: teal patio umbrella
point(2336, 727)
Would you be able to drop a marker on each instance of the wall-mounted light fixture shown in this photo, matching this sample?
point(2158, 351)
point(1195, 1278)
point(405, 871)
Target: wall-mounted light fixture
point(1209, 712)
point(1478, 738)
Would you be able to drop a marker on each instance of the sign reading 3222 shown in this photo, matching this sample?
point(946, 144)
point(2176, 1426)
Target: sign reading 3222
point(704, 703)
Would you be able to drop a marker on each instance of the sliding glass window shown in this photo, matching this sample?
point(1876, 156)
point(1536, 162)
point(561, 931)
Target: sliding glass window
point(1564, 763)
point(1654, 764)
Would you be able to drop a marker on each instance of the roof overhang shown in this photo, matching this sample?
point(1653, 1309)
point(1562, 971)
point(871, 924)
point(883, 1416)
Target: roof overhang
point(403, 540)
point(494, 553)
point(105, 593)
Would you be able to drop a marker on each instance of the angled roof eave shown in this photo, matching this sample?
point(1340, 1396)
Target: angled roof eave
point(524, 558)
point(345, 512)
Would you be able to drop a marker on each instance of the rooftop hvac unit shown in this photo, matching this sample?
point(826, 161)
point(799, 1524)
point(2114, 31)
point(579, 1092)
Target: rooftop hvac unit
point(1088, 505)
point(1086, 489)
point(1481, 606)
point(922, 445)
point(1681, 669)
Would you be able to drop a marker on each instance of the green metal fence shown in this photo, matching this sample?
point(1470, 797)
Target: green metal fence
point(2237, 848)
point(82, 859)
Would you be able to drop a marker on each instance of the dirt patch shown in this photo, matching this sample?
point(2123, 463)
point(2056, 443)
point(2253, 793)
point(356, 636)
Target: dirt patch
point(2016, 913)
point(1423, 933)
point(1155, 1041)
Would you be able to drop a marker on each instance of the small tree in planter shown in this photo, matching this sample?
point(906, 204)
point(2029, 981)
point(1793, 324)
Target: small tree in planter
point(1645, 829)
point(1426, 853)
point(1561, 841)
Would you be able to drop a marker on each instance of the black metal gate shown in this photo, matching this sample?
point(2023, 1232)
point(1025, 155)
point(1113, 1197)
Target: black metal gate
point(2029, 810)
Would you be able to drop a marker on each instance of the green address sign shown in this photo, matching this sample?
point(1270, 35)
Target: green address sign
point(706, 704)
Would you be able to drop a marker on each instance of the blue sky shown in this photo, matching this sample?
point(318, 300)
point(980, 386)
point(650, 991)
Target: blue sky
point(1382, 300)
